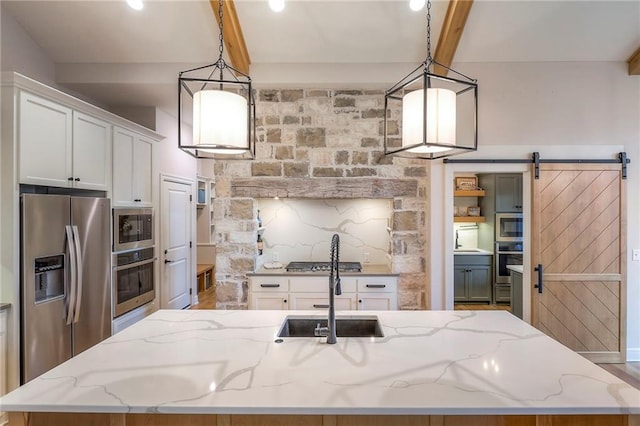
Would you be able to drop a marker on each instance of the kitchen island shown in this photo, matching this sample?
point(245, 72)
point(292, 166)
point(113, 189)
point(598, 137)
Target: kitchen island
point(229, 368)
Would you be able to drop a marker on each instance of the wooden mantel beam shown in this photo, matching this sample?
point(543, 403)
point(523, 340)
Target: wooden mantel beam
point(452, 28)
point(634, 63)
point(232, 33)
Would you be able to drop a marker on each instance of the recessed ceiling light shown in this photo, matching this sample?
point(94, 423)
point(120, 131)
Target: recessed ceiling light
point(276, 5)
point(135, 4)
point(416, 5)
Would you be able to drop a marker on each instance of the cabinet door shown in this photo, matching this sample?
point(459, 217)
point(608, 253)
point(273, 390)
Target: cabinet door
point(122, 167)
point(320, 301)
point(45, 142)
point(509, 193)
point(479, 283)
point(376, 302)
point(91, 152)
point(269, 301)
point(142, 167)
point(459, 284)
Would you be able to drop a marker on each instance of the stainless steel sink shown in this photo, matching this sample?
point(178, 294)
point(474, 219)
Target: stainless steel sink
point(356, 326)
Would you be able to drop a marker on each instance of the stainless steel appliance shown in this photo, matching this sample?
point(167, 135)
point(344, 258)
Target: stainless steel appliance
point(509, 227)
point(65, 275)
point(132, 228)
point(133, 283)
point(507, 253)
point(323, 267)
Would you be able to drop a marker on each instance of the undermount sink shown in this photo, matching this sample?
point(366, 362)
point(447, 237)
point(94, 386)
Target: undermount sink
point(304, 326)
point(469, 250)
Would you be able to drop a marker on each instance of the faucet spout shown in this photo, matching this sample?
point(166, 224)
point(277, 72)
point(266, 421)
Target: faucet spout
point(334, 287)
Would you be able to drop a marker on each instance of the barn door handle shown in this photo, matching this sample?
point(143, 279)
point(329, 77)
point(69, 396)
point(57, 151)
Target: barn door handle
point(539, 285)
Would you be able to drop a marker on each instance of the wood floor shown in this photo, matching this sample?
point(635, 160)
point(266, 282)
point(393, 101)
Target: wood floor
point(629, 372)
point(480, 307)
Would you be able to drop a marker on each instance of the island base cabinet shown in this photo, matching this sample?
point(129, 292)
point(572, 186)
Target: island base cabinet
point(98, 419)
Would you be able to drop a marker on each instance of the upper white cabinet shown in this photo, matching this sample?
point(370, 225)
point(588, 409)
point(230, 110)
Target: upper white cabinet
point(132, 168)
point(45, 135)
point(62, 147)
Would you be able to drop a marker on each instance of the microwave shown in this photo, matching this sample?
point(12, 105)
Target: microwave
point(509, 227)
point(132, 228)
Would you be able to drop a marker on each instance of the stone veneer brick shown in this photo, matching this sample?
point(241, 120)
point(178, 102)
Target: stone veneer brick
point(329, 136)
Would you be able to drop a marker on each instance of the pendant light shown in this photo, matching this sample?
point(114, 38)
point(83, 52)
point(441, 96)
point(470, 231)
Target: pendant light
point(430, 115)
point(216, 110)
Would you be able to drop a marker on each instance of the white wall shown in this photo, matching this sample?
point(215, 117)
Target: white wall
point(21, 54)
point(562, 110)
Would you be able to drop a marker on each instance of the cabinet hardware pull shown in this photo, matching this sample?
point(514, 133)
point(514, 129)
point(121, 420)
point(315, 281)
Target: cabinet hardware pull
point(269, 285)
point(285, 300)
point(321, 306)
point(77, 179)
point(360, 301)
point(168, 261)
point(137, 200)
point(70, 179)
point(539, 285)
point(376, 285)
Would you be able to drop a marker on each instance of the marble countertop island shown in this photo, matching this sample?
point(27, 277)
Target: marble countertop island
point(427, 363)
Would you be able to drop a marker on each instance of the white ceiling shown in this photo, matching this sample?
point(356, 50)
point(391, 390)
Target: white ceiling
point(122, 57)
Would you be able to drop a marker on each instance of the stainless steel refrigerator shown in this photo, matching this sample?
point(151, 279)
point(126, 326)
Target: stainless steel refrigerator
point(66, 291)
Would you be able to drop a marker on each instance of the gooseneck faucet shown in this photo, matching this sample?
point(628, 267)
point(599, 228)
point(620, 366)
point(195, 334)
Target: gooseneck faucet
point(334, 287)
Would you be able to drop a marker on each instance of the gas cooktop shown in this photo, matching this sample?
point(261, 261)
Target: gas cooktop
point(323, 267)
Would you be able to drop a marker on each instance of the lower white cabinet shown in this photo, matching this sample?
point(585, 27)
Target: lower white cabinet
point(3, 359)
point(294, 292)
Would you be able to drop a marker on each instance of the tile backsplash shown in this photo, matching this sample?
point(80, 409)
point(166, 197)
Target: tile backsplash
point(301, 230)
point(467, 235)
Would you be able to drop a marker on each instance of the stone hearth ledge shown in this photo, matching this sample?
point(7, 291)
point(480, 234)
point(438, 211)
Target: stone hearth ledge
point(428, 363)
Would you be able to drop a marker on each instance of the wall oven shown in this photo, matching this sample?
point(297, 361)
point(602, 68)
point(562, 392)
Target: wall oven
point(132, 228)
point(509, 227)
point(508, 253)
point(133, 280)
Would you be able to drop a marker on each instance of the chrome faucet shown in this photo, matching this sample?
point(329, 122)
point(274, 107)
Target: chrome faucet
point(334, 287)
point(457, 246)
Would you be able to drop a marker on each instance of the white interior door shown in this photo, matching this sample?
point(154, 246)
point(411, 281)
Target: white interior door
point(175, 244)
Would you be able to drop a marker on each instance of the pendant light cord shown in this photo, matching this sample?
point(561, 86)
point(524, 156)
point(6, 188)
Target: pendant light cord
point(429, 59)
point(221, 63)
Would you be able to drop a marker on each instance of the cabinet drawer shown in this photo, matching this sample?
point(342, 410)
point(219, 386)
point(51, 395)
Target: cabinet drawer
point(320, 284)
point(377, 285)
point(320, 301)
point(503, 293)
point(474, 259)
point(269, 283)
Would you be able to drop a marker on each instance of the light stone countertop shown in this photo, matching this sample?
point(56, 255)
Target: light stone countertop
point(428, 363)
point(516, 268)
point(368, 269)
point(471, 252)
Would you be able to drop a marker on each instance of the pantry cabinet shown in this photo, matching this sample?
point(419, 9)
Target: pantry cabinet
point(62, 147)
point(509, 193)
point(132, 168)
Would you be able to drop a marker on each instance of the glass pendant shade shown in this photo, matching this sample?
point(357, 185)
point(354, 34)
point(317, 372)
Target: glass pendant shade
point(440, 119)
point(220, 119)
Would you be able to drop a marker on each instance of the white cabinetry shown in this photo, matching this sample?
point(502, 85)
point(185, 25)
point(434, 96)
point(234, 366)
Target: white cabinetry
point(269, 293)
point(308, 293)
point(3, 358)
point(132, 168)
point(378, 293)
point(62, 147)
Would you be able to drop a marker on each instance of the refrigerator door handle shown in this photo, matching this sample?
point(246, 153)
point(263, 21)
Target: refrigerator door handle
point(76, 240)
point(72, 266)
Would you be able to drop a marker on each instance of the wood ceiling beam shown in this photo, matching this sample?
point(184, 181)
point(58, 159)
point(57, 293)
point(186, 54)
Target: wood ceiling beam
point(634, 63)
point(232, 33)
point(450, 34)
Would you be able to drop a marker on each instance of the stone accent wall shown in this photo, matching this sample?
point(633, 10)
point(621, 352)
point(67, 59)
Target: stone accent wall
point(320, 144)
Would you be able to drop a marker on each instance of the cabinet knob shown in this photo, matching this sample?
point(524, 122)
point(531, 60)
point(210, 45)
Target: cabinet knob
point(285, 300)
point(77, 179)
point(359, 300)
point(70, 179)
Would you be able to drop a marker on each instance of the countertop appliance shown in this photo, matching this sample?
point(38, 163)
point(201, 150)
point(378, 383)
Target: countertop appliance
point(65, 278)
point(323, 267)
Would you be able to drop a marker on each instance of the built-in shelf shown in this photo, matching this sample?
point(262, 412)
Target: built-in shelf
point(469, 193)
point(475, 219)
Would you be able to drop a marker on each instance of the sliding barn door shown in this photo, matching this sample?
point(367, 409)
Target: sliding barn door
point(579, 241)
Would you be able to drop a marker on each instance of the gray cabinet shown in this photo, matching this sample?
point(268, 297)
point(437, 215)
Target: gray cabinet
point(516, 294)
point(509, 193)
point(472, 278)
